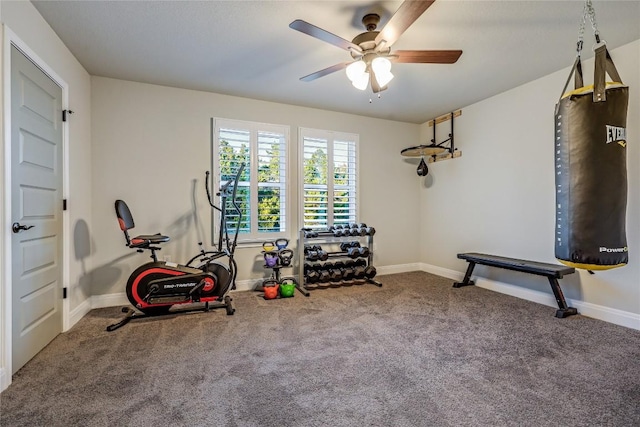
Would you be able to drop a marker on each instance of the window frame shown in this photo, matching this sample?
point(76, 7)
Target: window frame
point(331, 137)
point(254, 128)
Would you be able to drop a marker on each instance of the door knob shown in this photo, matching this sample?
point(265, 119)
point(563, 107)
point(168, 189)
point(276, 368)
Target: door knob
point(17, 227)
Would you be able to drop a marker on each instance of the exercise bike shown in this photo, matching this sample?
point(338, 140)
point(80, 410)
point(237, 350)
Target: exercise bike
point(156, 287)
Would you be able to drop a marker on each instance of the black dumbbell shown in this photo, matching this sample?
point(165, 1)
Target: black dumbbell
point(309, 233)
point(354, 263)
point(358, 252)
point(312, 276)
point(317, 266)
point(315, 252)
point(370, 272)
point(358, 272)
point(316, 255)
point(347, 273)
point(324, 276)
point(338, 265)
point(327, 266)
point(344, 246)
point(369, 231)
point(362, 231)
point(353, 253)
point(335, 275)
point(307, 267)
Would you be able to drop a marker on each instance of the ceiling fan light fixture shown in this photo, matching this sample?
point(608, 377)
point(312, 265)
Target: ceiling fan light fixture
point(356, 70)
point(371, 50)
point(384, 78)
point(382, 70)
point(361, 82)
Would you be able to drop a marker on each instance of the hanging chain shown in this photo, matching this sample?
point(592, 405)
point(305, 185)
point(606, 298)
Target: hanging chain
point(590, 12)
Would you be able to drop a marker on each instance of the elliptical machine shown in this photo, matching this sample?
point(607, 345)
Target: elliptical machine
point(157, 286)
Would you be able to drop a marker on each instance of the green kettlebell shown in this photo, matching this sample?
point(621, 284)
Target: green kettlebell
point(287, 288)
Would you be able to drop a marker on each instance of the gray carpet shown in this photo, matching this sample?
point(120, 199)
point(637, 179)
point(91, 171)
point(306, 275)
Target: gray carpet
point(415, 352)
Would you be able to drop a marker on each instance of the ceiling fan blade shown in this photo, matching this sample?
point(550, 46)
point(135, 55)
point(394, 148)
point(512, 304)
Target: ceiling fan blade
point(426, 56)
point(324, 72)
point(406, 15)
point(324, 35)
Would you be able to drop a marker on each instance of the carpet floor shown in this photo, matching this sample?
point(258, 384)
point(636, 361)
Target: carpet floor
point(415, 352)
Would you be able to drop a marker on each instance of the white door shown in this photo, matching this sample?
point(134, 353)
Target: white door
point(36, 206)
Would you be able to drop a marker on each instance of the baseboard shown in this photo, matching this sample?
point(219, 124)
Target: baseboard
point(440, 271)
point(611, 315)
point(109, 300)
point(248, 285)
point(4, 380)
point(400, 268)
point(79, 312)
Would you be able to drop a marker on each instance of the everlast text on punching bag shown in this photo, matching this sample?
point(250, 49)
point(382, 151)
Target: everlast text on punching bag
point(591, 169)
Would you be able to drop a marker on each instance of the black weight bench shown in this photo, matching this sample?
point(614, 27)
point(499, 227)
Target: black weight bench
point(553, 272)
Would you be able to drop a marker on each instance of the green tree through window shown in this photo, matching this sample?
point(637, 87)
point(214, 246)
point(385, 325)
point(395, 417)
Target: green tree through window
point(261, 191)
point(329, 178)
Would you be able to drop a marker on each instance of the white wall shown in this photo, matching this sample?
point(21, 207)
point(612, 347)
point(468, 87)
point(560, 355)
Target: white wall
point(27, 24)
point(151, 143)
point(498, 198)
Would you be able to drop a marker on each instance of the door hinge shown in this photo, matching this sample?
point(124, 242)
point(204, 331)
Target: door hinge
point(64, 114)
point(64, 293)
point(64, 204)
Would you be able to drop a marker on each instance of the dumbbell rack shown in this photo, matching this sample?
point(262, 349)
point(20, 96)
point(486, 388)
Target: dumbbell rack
point(329, 238)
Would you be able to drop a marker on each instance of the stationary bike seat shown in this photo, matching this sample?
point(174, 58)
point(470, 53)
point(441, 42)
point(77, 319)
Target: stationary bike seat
point(125, 220)
point(145, 240)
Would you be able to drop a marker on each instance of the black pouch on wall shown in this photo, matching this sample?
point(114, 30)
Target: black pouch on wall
point(591, 169)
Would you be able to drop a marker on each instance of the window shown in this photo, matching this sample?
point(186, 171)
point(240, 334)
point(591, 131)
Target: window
point(328, 178)
point(262, 189)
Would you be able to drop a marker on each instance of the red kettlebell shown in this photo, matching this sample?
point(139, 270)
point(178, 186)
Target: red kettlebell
point(270, 289)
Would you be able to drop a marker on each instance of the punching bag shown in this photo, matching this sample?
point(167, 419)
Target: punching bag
point(591, 169)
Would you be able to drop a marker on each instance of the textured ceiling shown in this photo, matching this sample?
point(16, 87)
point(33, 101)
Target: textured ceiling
point(246, 48)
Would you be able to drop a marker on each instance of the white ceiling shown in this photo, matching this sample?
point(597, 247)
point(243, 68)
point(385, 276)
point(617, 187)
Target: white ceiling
point(246, 48)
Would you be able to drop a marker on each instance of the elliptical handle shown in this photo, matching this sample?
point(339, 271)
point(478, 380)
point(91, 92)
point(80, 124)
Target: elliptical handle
point(234, 202)
point(206, 186)
point(225, 186)
point(235, 187)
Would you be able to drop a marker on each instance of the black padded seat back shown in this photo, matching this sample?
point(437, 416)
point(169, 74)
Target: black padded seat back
point(125, 219)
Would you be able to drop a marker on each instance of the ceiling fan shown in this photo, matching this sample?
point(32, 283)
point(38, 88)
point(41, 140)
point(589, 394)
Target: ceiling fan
point(371, 50)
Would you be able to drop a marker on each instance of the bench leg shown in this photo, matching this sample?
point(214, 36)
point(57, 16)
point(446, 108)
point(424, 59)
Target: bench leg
point(467, 276)
point(564, 310)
